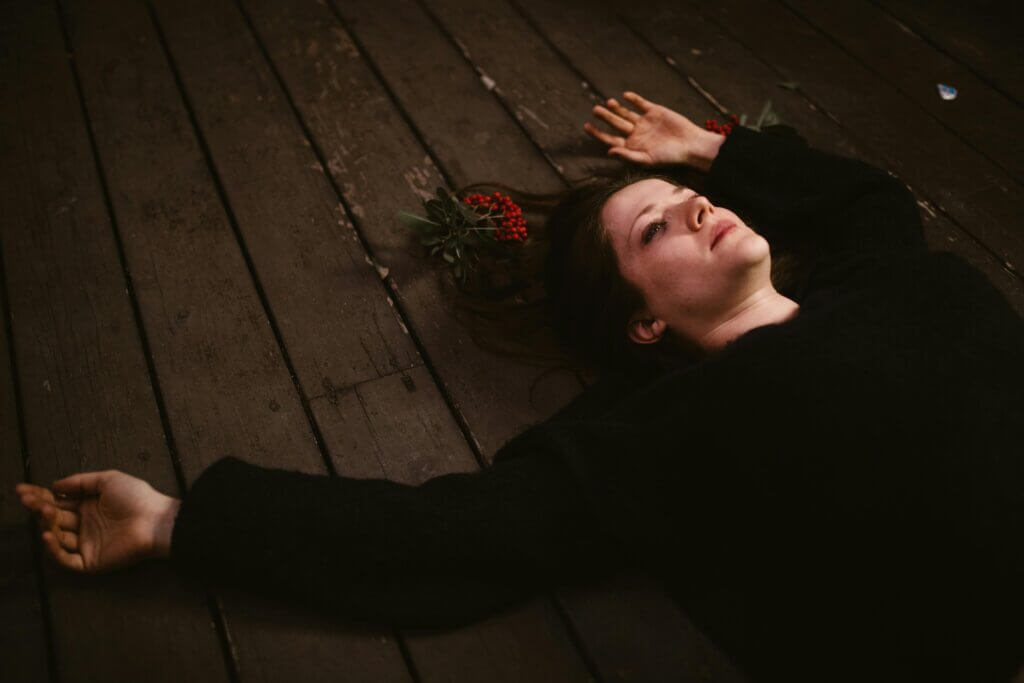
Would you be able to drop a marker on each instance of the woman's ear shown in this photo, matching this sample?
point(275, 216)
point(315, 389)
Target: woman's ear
point(644, 329)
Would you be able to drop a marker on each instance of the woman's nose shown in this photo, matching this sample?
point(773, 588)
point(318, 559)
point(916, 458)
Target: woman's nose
point(700, 210)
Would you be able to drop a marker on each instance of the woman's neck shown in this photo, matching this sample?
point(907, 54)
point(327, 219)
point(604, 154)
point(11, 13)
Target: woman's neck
point(765, 307)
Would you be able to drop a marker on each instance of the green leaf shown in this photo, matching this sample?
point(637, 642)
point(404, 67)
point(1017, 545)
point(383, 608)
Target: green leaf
point(411, 220)
point(765, 112)
point(471, 217)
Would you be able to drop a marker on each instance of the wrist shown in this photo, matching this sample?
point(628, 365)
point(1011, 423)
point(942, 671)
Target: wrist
point(705, 150)
point(165, 514)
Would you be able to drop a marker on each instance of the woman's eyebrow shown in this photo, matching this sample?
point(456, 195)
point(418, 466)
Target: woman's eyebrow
point(647, 208)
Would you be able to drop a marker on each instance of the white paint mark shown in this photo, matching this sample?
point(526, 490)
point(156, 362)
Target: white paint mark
point(418, 180)
point(487, 81)
point(462, 48)
point(46, 385)
point(344, 44)
point(708, 96)
point(533, 116)
point(695, 52)
point(671, 61)
point(927, 207)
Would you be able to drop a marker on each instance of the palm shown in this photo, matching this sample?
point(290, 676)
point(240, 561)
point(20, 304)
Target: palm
point(660, 135)
point(111, 533)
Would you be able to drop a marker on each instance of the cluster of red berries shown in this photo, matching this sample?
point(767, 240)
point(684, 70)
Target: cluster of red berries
point(500, 207)
point(722, 129)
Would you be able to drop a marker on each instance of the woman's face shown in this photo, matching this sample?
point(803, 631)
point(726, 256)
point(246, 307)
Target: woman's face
point(695, 263)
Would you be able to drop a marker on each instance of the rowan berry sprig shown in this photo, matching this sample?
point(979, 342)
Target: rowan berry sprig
point(500, 208)
point(457, 230)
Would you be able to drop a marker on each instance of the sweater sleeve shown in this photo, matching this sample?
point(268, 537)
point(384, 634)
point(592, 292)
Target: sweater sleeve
point(446, 552)
point(807, 201)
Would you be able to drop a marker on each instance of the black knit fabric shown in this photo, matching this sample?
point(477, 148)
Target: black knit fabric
point(837, 497)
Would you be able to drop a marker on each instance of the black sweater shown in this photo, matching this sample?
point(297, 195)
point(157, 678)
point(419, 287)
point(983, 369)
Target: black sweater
point(852, 478)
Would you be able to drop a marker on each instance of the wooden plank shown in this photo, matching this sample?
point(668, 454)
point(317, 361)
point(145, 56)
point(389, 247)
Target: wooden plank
point(332, 311)
point(86, 396)
point(984, 35)
point(954, 178)
point(742, 82)
point(983, 117)
point(24, 646)
point(544, 96)
point(226, 387)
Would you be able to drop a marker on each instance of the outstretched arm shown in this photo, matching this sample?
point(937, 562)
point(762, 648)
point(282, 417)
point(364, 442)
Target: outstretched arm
point(452, 550)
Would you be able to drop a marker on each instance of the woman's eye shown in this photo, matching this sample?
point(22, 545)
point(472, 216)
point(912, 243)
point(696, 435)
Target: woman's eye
point(652, 230)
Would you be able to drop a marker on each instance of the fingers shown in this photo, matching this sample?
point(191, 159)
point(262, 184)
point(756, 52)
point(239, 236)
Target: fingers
point(66, 535)
point(627, 114)
point(637, 101)
point(81, 484)
point(615, 120)
point(610, 140)
point(70, 560)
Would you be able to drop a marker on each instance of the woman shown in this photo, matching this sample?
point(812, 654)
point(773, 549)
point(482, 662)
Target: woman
point(840, 465)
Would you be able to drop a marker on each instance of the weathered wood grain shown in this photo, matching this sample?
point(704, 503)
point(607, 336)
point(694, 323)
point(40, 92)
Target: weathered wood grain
point(86, 395)
point(613, 58)
point(353, 119)
point(334, 314)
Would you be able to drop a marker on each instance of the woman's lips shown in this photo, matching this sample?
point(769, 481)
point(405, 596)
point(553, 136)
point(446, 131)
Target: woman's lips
point(728, 227)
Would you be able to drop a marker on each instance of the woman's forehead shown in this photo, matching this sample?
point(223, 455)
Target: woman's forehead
point(622, 208)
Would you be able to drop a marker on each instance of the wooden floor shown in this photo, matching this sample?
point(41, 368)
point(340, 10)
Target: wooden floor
point(200, 258)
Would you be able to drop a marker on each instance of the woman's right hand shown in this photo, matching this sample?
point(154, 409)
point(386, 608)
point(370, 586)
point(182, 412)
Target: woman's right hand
point(96, 521)
point(655, 135)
